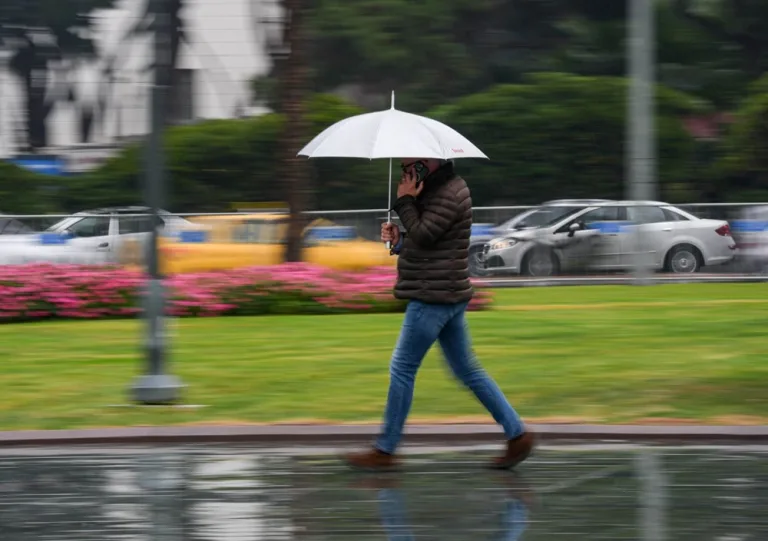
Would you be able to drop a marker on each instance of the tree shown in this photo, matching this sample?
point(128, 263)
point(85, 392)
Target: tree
point(39, 34)
point(433, 51)
point(743, 168)
point(293, 83)
point(728, 39)
point(562, 135)
point(36, 196)
point(218, 162)
point(554, 135)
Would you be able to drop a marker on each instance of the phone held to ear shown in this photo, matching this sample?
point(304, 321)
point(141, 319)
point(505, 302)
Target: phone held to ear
point(421, 170)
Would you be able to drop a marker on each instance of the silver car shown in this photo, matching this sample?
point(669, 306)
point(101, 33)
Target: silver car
point(90, 237)
point(611, 236)
point(528, 219)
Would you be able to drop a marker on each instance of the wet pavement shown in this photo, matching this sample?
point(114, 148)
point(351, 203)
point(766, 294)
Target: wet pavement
point(240, 493)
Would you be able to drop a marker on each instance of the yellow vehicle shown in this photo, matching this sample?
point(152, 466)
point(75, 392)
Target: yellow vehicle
point(245, 240)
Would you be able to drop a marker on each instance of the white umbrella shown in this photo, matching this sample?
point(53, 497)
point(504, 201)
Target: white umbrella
point(390, 134)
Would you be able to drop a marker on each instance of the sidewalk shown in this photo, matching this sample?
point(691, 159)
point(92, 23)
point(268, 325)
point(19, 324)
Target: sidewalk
point(444, 434)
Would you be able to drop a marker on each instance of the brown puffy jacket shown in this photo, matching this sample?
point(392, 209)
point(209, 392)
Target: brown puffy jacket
point(433, 266)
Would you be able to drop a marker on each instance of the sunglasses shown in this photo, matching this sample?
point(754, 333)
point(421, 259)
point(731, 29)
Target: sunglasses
point(418, 165)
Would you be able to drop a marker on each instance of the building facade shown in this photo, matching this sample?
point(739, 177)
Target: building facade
point(222, 52)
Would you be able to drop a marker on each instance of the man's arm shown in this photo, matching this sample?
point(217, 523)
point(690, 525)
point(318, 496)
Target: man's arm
point(427, 227)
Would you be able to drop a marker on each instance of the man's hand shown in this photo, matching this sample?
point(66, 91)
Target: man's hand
point(409, 186)
point(390, 233)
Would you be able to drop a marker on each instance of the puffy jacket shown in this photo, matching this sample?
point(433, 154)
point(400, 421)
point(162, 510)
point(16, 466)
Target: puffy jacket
point(433, 266)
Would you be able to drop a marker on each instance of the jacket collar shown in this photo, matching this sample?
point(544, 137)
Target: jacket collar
point(440, 175)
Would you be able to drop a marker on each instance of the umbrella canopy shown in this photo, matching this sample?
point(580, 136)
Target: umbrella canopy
point(390, 134)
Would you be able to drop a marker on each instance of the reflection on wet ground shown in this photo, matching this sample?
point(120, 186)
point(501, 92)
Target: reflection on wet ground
point(194, 493)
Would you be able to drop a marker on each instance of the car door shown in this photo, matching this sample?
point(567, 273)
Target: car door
point(134, 233)
point(654, 232)
point(91, 240)
point(606, 245)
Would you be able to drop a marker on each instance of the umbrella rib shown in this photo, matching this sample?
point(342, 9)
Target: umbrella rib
point(439, 145)
point(443, 153)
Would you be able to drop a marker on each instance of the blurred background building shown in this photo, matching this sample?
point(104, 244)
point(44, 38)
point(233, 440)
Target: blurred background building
point(92, 92)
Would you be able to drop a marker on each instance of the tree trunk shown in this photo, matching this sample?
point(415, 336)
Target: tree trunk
point(295, 170)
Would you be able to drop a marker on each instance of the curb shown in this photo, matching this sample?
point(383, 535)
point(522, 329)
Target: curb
point(461, 434)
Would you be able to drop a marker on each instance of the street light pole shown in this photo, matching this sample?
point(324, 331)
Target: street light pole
point(641, 140)
point(156, 387)
point(641, 131)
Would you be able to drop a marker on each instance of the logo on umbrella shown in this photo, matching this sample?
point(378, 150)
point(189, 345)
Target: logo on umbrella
point(457, 150)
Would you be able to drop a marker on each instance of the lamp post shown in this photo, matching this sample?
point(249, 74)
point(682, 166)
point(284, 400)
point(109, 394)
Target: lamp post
point(156, 387)
point(641, 163)
point(641, 136)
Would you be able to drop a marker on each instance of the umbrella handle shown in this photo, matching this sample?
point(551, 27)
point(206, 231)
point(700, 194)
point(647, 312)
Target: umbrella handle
point(389, 221)
point(389, 194)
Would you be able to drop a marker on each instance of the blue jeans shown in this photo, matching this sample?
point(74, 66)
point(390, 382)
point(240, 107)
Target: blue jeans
point(423, 325)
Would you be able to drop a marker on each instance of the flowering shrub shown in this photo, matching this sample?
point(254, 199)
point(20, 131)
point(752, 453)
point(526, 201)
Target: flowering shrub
point(33, 292)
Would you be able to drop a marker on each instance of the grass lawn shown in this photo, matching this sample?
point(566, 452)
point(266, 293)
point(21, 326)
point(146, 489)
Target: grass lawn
point(607, 354)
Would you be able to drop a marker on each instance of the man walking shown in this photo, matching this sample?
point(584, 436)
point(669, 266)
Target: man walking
point(435, 207)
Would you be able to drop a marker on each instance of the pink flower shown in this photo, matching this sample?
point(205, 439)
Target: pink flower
point(29, 292)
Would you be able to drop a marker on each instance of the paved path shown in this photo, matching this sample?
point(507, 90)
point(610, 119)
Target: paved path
point(191, 493)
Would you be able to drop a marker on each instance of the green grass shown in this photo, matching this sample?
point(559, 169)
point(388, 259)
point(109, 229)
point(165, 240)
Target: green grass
point(597, 354)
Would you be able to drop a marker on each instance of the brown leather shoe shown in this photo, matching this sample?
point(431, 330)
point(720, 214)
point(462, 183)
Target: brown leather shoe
point(372, 459)
point(517, 451)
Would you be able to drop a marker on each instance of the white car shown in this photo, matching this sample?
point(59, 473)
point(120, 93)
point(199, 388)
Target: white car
point(11, 226)
point(611, 236)
point(91, 237)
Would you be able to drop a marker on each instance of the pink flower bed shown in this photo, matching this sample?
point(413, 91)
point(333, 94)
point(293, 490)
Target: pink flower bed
point(33, 292)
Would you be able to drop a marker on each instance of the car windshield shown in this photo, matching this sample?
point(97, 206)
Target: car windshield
point(62, 224)
point(546, 216)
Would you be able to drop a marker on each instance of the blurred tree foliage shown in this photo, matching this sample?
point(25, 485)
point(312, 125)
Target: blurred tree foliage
point(550, 134)
point(743, 168)
point(564, 134)
point(433, 51)
point(25, 192)
point(538, 84)
point(215, 163)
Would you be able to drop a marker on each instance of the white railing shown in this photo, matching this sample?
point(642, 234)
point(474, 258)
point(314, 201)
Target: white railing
point(368, 221)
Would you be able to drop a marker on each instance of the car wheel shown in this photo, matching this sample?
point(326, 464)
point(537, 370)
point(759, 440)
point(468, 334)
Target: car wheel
point(540, 262)
point(684, 259)
point(475, 263)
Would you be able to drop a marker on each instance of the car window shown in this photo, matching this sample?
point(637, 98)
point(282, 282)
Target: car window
point(9, 226)
point(672, 216)
point(602, 214)
point(546, 216)
point(136, 224)
point(645, 214)
point(93, 226)
point(259, 231)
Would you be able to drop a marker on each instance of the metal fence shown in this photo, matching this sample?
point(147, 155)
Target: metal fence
point(368, 221)
point(121, 236)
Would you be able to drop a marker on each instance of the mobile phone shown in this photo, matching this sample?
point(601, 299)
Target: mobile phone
point(421, 170)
